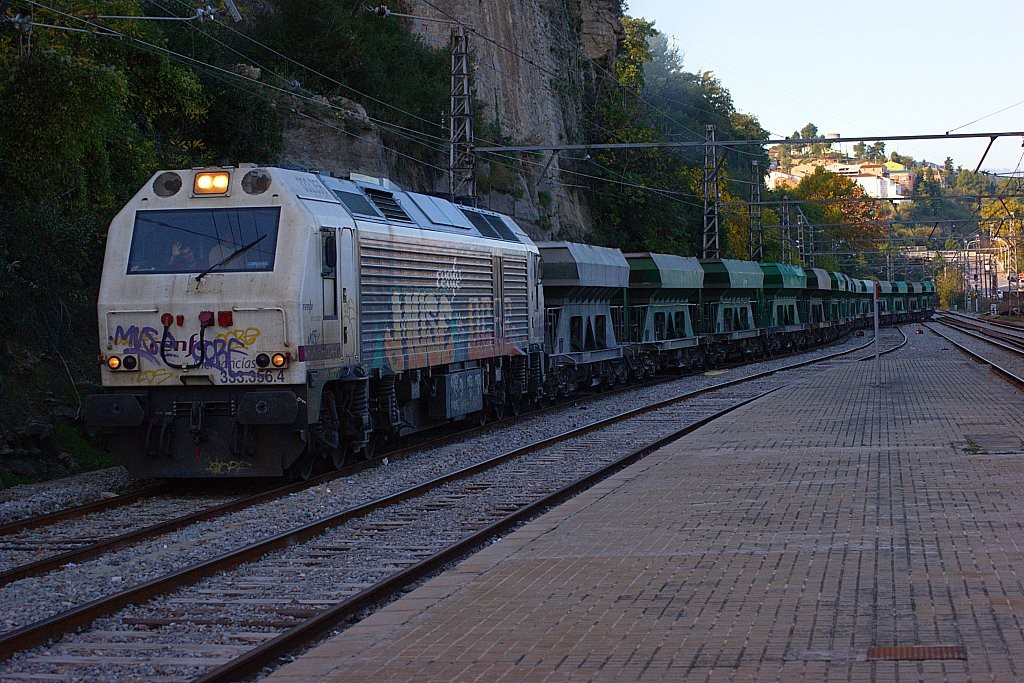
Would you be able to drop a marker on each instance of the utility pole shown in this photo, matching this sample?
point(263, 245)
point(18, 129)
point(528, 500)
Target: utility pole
point(888, 253)
point(806, 237)
point(756, 219)
point(461, 182)
point(461, 155)
point(787, 245)
point(711, 249)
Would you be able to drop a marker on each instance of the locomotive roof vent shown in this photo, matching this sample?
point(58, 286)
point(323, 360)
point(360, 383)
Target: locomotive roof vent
point(490, 226)
point(388, 205)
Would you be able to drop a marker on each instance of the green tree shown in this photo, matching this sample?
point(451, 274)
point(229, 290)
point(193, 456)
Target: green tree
point(971, 183)
point(839, 205)
point(876, 152)
point(949, 286)
point(809, 131)
point(630, 215)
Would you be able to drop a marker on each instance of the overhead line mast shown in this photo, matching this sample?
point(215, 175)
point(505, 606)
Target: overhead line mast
point(711, 249)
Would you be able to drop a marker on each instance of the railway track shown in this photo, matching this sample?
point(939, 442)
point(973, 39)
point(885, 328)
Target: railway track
point(1006, 359)
point(34, 546)
point(1008, 338)
point(363, 544)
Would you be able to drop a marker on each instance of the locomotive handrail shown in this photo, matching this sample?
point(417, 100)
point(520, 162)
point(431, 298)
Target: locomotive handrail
point(184, 366)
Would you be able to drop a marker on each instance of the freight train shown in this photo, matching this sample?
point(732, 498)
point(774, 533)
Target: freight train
point(261, 321)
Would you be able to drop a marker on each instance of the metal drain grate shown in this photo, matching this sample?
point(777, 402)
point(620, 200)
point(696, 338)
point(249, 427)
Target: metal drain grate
point(916, 653)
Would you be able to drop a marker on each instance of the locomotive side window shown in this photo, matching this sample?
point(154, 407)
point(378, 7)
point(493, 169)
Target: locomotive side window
point(329, 272)
point(198, 240)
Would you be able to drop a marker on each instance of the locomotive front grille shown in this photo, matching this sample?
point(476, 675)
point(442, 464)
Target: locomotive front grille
point(224, 408)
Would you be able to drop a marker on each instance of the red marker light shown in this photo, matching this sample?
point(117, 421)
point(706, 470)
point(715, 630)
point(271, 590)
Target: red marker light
point(225, 319)
point(166, 319)
point(206, 318)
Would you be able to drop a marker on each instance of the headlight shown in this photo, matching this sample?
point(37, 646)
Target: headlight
point(211, 182)
point(126, 363)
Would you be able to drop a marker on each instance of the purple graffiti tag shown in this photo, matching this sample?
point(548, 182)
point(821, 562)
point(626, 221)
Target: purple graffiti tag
point(142, 341)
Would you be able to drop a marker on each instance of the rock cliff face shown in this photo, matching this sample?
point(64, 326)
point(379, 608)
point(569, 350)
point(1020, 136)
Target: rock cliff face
point(534, 64)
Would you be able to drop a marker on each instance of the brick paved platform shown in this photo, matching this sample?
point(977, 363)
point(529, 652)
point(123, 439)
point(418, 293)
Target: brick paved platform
point(844, 531)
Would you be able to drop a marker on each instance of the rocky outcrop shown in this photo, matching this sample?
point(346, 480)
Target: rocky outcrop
point(534, 64)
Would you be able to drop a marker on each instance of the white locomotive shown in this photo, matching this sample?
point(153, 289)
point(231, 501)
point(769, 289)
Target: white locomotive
point(254, 320)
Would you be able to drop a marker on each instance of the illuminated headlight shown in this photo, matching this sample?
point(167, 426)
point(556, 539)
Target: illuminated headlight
point(277, 360)
point(211, 182)
point(122, 363)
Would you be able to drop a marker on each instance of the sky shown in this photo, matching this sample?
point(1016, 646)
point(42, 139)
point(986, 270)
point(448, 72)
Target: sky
point(868, 68)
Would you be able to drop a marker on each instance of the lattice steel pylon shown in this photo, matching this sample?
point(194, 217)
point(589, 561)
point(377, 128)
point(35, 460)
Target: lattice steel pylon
point(461, 179)
point(806, 238)
point(711, 249)
point(787, 243)
point(756, 218)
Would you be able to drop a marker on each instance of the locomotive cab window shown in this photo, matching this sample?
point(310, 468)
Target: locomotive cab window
point(196, 240)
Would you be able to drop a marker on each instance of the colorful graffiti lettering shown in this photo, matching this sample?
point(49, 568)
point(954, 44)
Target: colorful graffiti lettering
point(422, 333)
point(158, 376)
point(227, 353)
point(431, 328)
point(248, 336)
point(144, 341)
point(217, 467)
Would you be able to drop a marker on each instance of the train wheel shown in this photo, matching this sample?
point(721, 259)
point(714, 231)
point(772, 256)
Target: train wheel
point(515, 406)
point(330, 426)
point(364, 453)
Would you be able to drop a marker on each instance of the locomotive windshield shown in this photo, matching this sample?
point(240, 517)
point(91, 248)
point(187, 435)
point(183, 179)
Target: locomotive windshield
point(199, 240)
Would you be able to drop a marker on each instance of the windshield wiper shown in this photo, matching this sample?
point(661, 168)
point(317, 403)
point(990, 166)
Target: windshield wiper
point(230, 256)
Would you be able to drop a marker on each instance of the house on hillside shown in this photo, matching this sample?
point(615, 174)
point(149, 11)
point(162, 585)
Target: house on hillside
point(902, 175)
point(777, 180)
